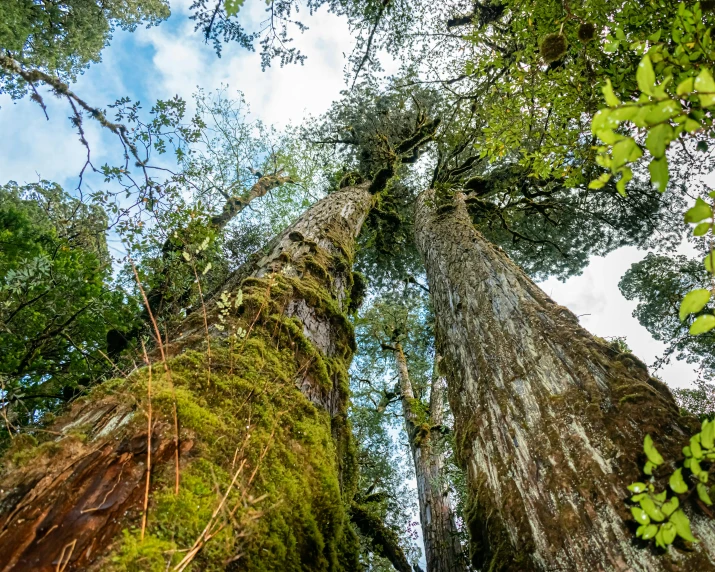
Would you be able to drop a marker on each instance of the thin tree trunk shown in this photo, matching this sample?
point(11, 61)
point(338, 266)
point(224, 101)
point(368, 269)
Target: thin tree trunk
point(267, 462)
point(549, 420)
point(443, 551)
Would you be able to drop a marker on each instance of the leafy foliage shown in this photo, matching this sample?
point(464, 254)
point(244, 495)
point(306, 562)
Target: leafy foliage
point(57, 303)
point(62, 38)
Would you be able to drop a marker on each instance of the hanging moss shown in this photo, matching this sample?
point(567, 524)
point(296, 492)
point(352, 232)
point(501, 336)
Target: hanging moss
point(586, 32)
point(553, 47)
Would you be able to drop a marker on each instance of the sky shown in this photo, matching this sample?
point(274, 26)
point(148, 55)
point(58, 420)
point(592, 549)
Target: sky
point(172, 59)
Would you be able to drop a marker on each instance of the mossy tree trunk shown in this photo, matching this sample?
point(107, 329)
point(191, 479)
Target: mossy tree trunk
point(443, 551)
point(267, 466)
point(549, 420)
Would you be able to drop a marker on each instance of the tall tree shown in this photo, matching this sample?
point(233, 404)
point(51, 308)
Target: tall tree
point(401, 325)
point(259, 390)
point(549, 420)
point(443, 551)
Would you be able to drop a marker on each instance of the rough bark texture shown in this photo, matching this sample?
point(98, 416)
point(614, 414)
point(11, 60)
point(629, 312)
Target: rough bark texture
point(549, 420)
point(385, 541)
point(264, 407)
point(443, 551)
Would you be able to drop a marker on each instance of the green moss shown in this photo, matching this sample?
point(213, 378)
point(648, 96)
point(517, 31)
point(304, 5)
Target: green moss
point(299, 465)
point(150, 555)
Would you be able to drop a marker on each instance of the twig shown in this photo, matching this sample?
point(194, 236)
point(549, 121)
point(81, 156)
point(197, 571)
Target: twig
point(206, 322)
point(166, 370)
point(60, 566)
point(385, 4)
point(148, 445)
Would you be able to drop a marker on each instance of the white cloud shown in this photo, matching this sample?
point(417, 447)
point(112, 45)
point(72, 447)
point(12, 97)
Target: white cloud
point(173, 59)
point(278, 95)
point(594, 297)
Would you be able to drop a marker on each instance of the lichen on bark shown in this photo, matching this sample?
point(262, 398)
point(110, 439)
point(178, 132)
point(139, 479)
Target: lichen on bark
point(549, 420)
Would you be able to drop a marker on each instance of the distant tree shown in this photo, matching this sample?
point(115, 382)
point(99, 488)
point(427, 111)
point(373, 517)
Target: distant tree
point(58, 309)
point(658, 283)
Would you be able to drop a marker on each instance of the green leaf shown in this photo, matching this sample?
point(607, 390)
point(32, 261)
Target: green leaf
point(668, 532)
point(611, 99)
point(639, 515)
point(702, 494)
point(659, 173)
point(651, 452)
point(702, 229)
point(232, 7)
point(682, 525)
point(669, 507)
point(647, 531)
point(700, 211)
point(695, 467)
point(707, 434)
point(602, 120)
point(705, 83)
point(662, 112)
point(693, 302)
point(625, 151)
point(651, 510)
point(708, 262)
point(695, 446)
point(186, 256)
point(677, 483)
point(637, 487)
point(702, 324)
point(659, 540)
point(685, 87)
point(600, 182)
point(626, 175)
point(646, 76)
point(658, 139)
point(648, 468)
point(624, 113)
point(692, 125)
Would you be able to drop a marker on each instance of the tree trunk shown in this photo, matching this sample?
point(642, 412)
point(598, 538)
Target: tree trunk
point(267, 466)
point(443, 551)
point(174, 245)
point(549, 420)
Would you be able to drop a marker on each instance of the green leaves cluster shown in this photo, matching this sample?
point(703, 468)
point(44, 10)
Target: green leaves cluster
point(63, 38)
point(700, 450)
point(676, 91)
point(701, 214)
point(659, 515)
point(57, 301)
point(659, 519)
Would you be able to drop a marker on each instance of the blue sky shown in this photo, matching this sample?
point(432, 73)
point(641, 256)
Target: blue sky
point(172, 59)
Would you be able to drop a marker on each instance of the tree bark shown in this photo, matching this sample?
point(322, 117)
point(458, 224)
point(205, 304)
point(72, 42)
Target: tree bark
point(173, 245)
point(443, 551)
point(267, 462)
point(549, 420)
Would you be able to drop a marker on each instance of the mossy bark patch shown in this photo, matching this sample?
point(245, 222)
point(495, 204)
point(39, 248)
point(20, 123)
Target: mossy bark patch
point(267, 458)
point(549, 420)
